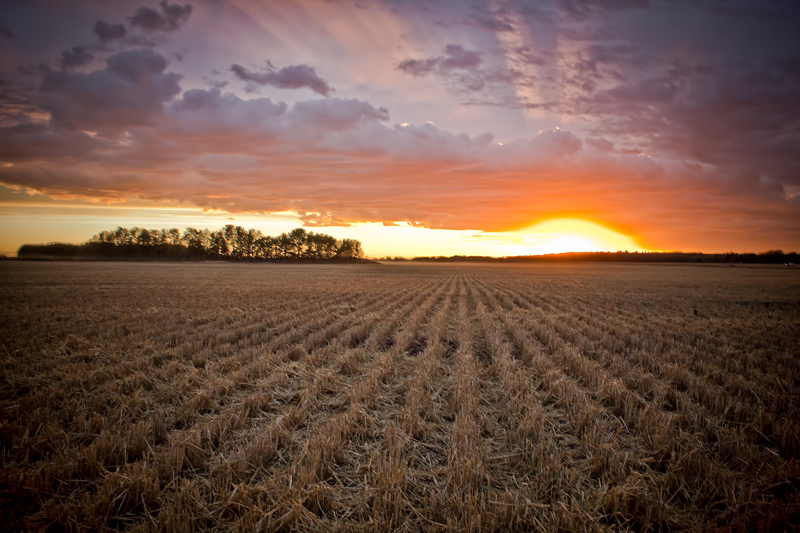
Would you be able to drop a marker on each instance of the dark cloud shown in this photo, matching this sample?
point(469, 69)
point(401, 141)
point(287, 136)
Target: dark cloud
point(741, 118)
point(584, 8)
point(37, 141)
point(525, 55)
point(490, 23)
point(456, 57)
point(728, 101)
point(5, 32)
point(215, 84)
point(77, 57)
point(648, 91)
point(17, 103)
point(109, 32)
point(129, 92)
point(209, 111)
point(170, 18)
point(418, 67)
point(291, 77)
point(197, 99)
point(467, 72)
point(617, 54)
point(495, 20)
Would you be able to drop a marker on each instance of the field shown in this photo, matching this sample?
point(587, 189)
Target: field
point(405, 397)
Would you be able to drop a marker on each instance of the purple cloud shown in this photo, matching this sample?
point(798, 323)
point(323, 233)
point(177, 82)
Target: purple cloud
point(109, 32)
point(129, 92)
point(170, 18)
point(466, 72)
point(456, 57)
point(76, 57)
point(291, 77)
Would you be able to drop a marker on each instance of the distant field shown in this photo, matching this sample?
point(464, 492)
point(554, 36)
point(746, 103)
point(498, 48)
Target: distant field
point(398, 397)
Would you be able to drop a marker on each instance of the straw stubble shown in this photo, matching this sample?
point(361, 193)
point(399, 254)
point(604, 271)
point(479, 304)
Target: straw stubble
point(398, 397)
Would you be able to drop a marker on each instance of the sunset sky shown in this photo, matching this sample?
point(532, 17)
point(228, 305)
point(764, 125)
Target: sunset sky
point(419, 128)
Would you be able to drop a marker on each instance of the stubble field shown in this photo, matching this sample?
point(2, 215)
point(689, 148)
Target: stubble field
point(406, 397)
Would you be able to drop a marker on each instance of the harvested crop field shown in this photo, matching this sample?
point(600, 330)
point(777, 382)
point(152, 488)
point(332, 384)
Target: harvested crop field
point(398, 397)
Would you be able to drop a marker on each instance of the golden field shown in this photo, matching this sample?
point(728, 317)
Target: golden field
point(244, 397)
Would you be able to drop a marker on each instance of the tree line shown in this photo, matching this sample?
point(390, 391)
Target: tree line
point(229, 242)
point(770, 257)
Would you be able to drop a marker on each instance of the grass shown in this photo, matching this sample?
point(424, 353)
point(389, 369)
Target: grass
point(399, 397)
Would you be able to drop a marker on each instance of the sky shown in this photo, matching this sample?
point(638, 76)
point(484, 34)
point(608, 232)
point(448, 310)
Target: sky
point(418, 127)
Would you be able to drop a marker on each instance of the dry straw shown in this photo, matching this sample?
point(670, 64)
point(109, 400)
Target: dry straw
point(398, 398)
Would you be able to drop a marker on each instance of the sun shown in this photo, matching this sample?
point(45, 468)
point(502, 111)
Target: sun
point(562, 235)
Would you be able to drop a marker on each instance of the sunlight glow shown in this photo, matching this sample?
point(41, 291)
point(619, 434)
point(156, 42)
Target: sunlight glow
point(548, 237)
point(26, 219)
point(563, 235)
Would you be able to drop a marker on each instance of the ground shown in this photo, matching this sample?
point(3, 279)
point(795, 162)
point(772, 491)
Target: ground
point(181, 396)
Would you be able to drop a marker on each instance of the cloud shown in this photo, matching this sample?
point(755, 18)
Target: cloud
point(130, 91)
point(201, 113)
point(525, 55)
point(76, 57)
point(456, 57)
point(291, 77)
point(37, 141)
point(492, 24)
point(466, 72)
point(170, 18)
point(17, 103)
point(731, 116)
point(492, 20)
point(109, 32)
point(216, 84)
point(546, 148)
point(336, 161)
point(585, 8)
point(336, 114)
point(247, 123)
point(633, 91)
point(601, 144)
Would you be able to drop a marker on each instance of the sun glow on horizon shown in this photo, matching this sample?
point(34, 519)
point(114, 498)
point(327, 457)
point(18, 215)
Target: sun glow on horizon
point(45, 220)
point(564, 235)
point(561, 235)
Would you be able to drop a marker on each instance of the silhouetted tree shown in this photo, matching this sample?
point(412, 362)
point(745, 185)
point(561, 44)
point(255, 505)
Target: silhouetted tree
point(218, 245)
point(230, 241)
point(296, 243)
point(267, 247)
point(349, 249)
point(145, 238)
point(197, 240)
point(321, 246)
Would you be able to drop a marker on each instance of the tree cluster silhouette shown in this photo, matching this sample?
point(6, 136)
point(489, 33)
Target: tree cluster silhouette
point(229, 242)
point(769, 257)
